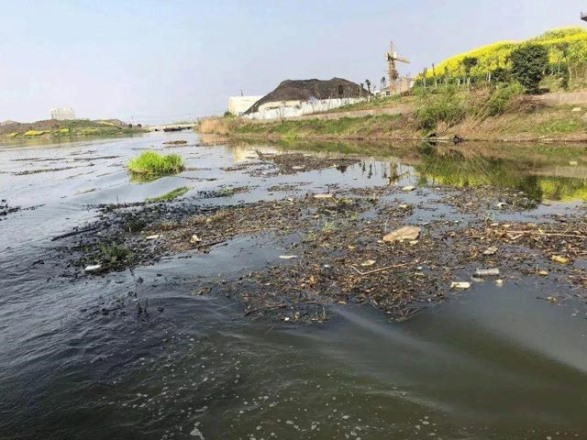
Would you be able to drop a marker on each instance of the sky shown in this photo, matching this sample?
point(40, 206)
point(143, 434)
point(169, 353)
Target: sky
point(156, 61)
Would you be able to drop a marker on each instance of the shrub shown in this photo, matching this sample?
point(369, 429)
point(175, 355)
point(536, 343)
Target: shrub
point(500, 75)
point(529, 64)
point(446, 107)
point(502, 98)
point(150, 163)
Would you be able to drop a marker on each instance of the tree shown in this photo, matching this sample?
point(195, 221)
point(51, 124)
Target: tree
point(383, 83)
point(529, 62)
point(468, 63)
point(500, 75)
point(368, 84)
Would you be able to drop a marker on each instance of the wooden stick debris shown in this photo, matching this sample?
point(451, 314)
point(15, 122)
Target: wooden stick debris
point(266, 308)
point(383, 269)
point(548, 234)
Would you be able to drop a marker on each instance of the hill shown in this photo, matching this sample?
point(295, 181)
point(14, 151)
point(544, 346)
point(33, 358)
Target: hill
point(567, 48)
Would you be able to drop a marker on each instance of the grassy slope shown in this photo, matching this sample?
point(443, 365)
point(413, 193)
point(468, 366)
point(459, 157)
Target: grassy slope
point(540, 123)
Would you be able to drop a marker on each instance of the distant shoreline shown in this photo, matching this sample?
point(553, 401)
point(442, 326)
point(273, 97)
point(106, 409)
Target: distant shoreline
point(52, 129)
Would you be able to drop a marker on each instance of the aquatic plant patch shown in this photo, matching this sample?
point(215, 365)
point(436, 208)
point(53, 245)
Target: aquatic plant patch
point(173, 194)
point(150, 163)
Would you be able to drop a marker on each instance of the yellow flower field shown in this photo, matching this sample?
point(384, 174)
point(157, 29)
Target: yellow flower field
point(565, 45)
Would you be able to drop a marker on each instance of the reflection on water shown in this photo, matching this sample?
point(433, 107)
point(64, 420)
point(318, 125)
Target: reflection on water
point(540, 181)
point(544, 173)
point(495, 363)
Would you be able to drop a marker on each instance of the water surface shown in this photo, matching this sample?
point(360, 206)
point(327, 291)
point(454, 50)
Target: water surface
point(493, 363)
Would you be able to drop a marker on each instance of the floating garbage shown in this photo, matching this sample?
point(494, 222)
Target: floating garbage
point(490, 251)
point(323, 196)
point(462, 285)
point(93, 268)
point(559, 259)
point(487, 273)
point(409, 233)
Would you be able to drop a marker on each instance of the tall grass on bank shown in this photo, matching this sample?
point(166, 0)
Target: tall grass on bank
point(218, 126)
point(151, 164)
point(446, 106)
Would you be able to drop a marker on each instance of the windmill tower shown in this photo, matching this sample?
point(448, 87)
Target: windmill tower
point(394, 79)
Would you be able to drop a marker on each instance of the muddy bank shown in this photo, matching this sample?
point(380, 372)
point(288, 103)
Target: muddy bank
point(529, 121)
point(6, 209)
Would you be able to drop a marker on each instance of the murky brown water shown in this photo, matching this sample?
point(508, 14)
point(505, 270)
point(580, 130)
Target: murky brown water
point(494, 363)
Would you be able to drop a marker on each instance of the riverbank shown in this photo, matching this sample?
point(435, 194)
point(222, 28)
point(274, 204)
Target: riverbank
point(473, 116)
point(62, 130)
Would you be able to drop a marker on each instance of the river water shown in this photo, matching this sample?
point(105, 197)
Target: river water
point(493, 363)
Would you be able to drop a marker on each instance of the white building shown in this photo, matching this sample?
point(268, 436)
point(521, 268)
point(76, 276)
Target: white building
point(63, 114)
point(237, 105)
point(295, 109)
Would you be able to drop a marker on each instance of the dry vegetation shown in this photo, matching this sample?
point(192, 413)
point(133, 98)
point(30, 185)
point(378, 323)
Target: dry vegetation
point(218, 126)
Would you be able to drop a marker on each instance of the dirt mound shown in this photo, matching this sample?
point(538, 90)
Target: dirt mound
point(309, 89)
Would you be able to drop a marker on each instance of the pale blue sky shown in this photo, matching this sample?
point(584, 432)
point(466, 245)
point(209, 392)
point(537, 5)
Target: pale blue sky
point(172, 59)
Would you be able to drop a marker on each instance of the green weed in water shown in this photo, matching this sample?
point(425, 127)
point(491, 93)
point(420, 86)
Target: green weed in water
point(153, 164)
point(177, 192)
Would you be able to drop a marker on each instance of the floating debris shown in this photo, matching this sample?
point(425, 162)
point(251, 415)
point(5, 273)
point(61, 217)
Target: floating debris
point(461, 285)
point(490, 251)
point(323, 196)
point(407, 233)
point(487, 273)
point(559, 259)
point(93, 268)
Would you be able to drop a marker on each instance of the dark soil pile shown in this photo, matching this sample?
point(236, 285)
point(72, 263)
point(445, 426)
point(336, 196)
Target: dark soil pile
point(306, 90)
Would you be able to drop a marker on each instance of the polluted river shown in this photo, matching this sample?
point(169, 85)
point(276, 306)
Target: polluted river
point(276, 298)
